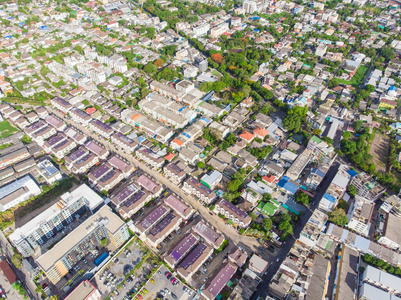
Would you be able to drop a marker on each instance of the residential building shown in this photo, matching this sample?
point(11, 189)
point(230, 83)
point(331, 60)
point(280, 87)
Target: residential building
point(361, 214)
point(13, 157)
point(84, 291)
point(212, 179)
point(126, 144)
point(105, 177)
point(61, 105)
point(183, 210)
point(80, 117)
point(18, 191)
point(210, 236)
point(56, 262)
point(54, 219)
point(258, 265)
point(215, 285)
point(367, 187)
point(101, 128)
point(194, 260)
point(48, 171)
point(174, 173)
point(178, 253)
point(149, 157)
point(196, 188)
point(322, 151)
point(233, 213)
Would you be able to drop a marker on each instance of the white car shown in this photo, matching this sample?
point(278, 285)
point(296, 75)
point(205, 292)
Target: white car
point(167, 291)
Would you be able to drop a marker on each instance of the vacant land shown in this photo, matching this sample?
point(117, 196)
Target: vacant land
point(380, 149)
point(6, 129)
point(358, 77)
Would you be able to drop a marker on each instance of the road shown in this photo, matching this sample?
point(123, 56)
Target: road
point(232, 234)
point(274, 265)
point(26, 282)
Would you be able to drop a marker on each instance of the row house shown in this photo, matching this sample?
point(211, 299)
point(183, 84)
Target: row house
point(126, 144)
point(105, 177)
point(166, 90)
point(233, 213)
point(196, 188)
point(80, 117)
point(61, 104)
point(55, 122)
point(75, 135)
point(174, 173)
point(150, 157)
point(59, 145)
point(39, 131)
point(13, 157)
point(80, 161)
point(124, 167)
point(101, 128)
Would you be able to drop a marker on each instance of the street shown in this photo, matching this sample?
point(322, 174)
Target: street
point(8, 252)
point(273, 265)
point(230, 233)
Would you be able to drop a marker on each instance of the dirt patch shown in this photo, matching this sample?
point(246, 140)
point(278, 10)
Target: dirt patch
point(380, 149)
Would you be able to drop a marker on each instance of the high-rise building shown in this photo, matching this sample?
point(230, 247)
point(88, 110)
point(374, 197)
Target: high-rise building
point(54, 219)
point(57, 262)
point(249, 6)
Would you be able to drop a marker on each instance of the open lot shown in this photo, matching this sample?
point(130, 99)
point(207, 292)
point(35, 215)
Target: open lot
point(380, 149)
point(127, 273)
point(161, 283)
point(6, 129)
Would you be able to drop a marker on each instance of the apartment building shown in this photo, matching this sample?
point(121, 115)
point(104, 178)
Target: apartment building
point(44, 226)
point(361, 214)
point(126, 144)
point(150, 157)
point(217, 31)
point(196, 188)
point(201, 30)
point(174, 173)
point(321, 150)
point(166, 90)
point(367, 187)
point(56, 262)
point(336, 189)
point(233, 213)
point(101, 128)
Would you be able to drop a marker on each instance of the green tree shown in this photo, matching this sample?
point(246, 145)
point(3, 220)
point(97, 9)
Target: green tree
point(338, 216)
point(267, 223)
point(347, 135)
point(103, 242)
point(201, 164)
point(351, 191)
point(302, 197)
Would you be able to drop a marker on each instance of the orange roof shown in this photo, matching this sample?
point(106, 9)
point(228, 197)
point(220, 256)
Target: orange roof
point(178, 142)
point(247, 135)
point(269, 178)
point(260, 132)
point(136, 116)
point(90, 110)
point(169, 156)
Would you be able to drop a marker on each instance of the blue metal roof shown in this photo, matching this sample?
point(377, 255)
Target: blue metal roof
point(287, 185)
point(329, 197)
point(352, 172)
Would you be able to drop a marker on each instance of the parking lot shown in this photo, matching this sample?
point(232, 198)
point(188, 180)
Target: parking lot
point(164, 289)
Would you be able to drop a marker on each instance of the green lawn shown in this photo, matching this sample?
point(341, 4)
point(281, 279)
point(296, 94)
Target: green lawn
point(6, 129)
point(357, 79)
